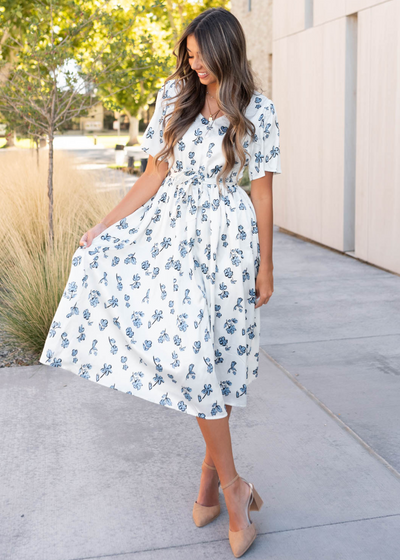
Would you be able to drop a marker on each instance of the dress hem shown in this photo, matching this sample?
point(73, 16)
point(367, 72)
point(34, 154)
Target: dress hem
point(145, 398)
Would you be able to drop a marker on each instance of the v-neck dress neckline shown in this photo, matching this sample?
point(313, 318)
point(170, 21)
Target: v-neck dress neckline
point(201, 116)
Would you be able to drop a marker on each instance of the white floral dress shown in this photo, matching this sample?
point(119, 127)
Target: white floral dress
point(162, 304)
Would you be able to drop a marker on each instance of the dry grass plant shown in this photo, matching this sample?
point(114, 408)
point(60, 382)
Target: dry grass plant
point(32, 276)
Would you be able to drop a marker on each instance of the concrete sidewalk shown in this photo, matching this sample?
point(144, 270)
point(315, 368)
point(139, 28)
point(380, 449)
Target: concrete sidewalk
point(334, 323)
point(92, 473)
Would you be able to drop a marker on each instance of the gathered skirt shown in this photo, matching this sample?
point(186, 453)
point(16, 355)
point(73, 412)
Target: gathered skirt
point(161, 305)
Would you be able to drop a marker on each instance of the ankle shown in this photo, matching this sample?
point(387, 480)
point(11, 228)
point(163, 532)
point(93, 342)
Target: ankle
point(209, 474)
point(233, 483)
point(237, 491)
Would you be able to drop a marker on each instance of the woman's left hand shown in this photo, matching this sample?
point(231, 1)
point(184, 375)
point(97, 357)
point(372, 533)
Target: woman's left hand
point(264, 286)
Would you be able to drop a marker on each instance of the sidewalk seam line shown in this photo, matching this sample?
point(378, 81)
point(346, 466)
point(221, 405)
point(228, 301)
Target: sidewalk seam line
point(225, 539)
point(332, 339)
point(333, 523)
point(333, 415)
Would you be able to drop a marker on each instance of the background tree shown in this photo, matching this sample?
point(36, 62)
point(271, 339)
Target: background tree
point(150, 45)
point(18, 127)
point(70, 50)
point(13, 18)
point(157, 26)
point(157, 29)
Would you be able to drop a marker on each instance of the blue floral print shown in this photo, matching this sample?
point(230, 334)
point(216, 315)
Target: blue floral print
point(162, 304)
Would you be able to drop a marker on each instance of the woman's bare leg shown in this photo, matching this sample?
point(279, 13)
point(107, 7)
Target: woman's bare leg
point(209, 492)
point(217, 436)
point(208, 458)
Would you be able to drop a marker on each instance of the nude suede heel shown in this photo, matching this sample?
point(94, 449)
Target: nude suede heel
point(202, 515)
point(241, 541)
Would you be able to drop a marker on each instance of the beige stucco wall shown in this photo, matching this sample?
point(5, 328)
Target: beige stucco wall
point(335, 83)
point(96, 113)
point(257, 22)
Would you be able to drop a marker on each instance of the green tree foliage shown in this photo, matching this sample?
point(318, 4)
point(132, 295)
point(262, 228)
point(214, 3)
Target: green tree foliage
point(67, 52)
point(59, 57)
point(156, 33)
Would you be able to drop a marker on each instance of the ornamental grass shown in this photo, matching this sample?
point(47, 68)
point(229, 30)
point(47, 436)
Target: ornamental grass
point(32, 274)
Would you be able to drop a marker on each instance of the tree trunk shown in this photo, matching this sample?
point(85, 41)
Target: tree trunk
point(50, 187)
point(117, 115)
point(133, 131)
point(51, 166)
point(11, 139)
point(37, 142)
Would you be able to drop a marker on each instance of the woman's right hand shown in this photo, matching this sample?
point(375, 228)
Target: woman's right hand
point(87, 238)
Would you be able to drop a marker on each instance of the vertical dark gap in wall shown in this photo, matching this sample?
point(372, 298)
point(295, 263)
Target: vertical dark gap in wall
point(308, 13)
point(270, 79)
point(350, 124)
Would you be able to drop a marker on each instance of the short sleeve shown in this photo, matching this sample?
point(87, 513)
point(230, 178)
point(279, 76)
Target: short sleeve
point(265, 149)
point(153, 141)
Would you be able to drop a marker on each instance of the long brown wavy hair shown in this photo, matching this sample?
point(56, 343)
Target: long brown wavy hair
point(222, 46)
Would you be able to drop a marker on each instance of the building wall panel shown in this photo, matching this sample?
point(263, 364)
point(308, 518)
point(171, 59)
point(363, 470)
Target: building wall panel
point(353, 6)
point(377, 192)
point(288, 17)
point(328, 10)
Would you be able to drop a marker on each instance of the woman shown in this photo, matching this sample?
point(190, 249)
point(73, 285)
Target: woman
point(164, 295)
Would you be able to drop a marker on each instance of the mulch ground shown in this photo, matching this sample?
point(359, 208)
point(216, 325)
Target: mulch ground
point(12, 356)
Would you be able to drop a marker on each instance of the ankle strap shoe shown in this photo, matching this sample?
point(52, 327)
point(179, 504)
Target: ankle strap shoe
point(202, 515)
point(241, 541)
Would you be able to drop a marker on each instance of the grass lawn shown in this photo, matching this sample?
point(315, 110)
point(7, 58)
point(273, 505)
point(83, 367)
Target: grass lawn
point(125, 165)
point(110, 141)
point(23, 143)
point(105, 140)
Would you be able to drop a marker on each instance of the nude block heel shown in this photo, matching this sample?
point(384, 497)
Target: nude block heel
point(241, 541)
point(257, 501)
point(202, 515)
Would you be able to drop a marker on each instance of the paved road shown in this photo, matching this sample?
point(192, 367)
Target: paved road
point(96, 159)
